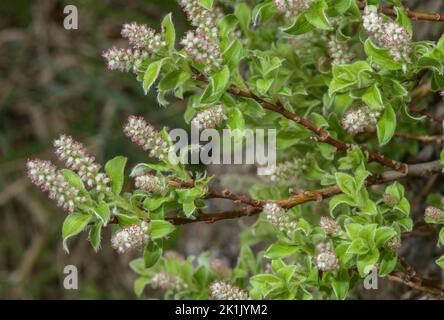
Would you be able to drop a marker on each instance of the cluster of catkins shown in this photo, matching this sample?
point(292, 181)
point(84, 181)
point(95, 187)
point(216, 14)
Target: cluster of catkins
point(291, 8)
point(76, 158)
point(131, 238)
point(330, 226)
point(147, 137)
point(434, 214)
point(151, 184)
point(166, 281)
point(359, 120)
point(288, 171)
point(326, 259)
point(387, 34)
point(220, 290)
point(279, 218)
point(45, 175)
point(202, 44)
point(209, 118)
point(339, 51)
point(145, 42)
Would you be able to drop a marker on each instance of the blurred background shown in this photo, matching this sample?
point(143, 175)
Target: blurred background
point(54, 81)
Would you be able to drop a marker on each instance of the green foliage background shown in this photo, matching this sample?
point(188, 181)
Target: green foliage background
point(53, 81)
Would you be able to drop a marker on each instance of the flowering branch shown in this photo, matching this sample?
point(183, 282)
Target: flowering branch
point(323, 135)
point(256, 206)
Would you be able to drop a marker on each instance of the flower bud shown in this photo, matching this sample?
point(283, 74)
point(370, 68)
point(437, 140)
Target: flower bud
point(76, 158)
point(209, 118)
point(142, 37)
point(45, 175)
point(221, 290)
point(146, 136)
point(330, 226)
point(131, 238)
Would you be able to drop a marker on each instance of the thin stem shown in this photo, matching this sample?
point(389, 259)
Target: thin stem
point(255, 206)
point(412, 14)
point(323, 135)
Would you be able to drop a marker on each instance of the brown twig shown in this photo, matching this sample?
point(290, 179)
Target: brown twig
point(322, 135)
point(426, 113)
point(412, 14)
point(412, 279)
point(430, 139)
point(255, 206)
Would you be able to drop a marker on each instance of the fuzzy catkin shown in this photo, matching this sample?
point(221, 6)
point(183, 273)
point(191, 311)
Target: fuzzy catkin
point(76, 157)
point(146, 136)
point(221, 290)
point(45, 175)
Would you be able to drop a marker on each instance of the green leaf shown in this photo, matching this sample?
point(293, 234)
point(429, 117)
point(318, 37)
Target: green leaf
point(243, 14)
point(263, 85)
point(316, 15)
point(115, 169)
point(383, 235)
point(188, 208)
point(126, 220)
point(173, 80)
point(340, 199)
point(441, 236)
point(358, 246)
point(160, 229)
point(373, 98)
point(341, 285)
point(74, 224)
point(366, 262)
point(207, 4)
point(276, 251)
point(346, 183)
point(151, 74)
point(233, 54)
point(95, 235)
point(220, 82)
point(168, 31)
point(151, 254)
point(388, 263)
point(252, 108)
point(263, 11)
point(403, 19)
point(218, 85)
point(300, 26)
point(353, 230)
point(386, 126)
point(73, 179)
point(440, 262)
point(381, 56)
point(102, 212)
point(139, 285)
point(236, 120)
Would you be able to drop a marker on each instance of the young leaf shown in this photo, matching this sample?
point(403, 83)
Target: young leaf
point(346, 183)
point(151, 254)
point(139, 285)
point(373, 98)
point(276, 251)
point(168, 31)
point(207, 4)
point(160, 229)
point(386, 126)
point(95, 235)
point(151, 74)
point(316, 15)
point(300, 26)
point(74, 224)
point(115, 169)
